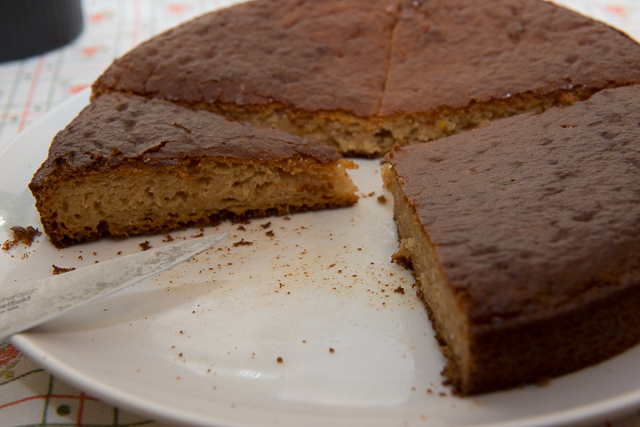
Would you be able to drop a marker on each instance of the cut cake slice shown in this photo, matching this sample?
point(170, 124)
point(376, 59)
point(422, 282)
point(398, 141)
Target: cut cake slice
point(362, 75)
point(129, 165)
point(525, 238)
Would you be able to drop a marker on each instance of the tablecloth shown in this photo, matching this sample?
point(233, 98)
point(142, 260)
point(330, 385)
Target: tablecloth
point(29, 395)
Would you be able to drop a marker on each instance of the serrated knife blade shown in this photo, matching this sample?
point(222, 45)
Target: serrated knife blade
point(33, 303)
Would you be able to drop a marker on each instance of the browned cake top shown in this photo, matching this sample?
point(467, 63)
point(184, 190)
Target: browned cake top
point(377, 57)
point(310, 55)
point(118, 129)
point(535, 212)
point(453, 52)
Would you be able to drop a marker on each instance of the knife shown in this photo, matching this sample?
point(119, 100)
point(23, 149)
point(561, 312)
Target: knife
point(33, 303)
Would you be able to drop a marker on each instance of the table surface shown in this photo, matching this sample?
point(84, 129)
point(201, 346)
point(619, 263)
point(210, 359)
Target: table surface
point(29, 395)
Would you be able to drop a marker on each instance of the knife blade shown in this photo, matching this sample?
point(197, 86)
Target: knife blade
point(33, 303)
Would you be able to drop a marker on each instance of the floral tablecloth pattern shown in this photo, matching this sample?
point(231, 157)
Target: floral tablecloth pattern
point(29, 395)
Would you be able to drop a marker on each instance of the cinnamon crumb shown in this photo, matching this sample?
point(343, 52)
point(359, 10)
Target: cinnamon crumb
point(145, 245)
point(21, 235)
point(242, 242)
point(60, 270)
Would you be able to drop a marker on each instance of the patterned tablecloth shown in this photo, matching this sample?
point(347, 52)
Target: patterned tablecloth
point(30, 396)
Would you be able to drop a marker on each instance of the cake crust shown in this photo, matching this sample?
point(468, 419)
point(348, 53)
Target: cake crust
point(456, 53)
point(305, 55)
point(120, 129)
point(534, 225)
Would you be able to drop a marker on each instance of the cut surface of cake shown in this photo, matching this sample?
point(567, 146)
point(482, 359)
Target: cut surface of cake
point(361, 76)
point(525, 237)
point(129, 165)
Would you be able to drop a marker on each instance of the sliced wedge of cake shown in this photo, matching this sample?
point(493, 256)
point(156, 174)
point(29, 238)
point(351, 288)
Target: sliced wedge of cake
point(362, 75)
point(130, 165)
point(525, 238)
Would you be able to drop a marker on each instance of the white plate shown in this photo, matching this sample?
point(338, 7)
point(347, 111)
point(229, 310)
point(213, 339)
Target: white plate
point(200, 345)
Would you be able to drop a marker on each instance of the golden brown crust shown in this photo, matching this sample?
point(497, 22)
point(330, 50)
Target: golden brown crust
point(453, 53)
point(305, 55)
point(534, 220)
point(119, 130)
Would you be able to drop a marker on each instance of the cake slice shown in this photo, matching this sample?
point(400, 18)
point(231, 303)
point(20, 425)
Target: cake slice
point(129, 165)
point(525, 238)
point(362, 75)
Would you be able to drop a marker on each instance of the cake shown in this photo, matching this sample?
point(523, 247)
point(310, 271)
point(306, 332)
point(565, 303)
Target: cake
point(362, 75)
point(525, 238)
point(129, 165)
point(514, 172)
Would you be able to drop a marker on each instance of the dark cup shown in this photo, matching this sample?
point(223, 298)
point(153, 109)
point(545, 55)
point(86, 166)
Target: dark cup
point(31, 27)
